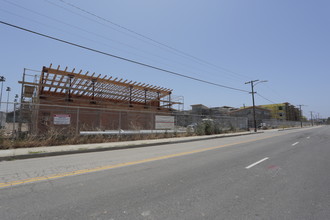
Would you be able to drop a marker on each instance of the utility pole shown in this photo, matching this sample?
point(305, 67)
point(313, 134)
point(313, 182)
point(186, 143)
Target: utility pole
point(312, 118)
point(253, 103)
point(301, 124)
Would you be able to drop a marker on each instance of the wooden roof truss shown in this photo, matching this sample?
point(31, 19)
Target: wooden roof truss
point(56, 82)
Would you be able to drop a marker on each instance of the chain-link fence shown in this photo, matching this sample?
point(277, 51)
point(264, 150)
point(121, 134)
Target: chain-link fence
point(193, 122)
point(28, 118)
point(274, 123)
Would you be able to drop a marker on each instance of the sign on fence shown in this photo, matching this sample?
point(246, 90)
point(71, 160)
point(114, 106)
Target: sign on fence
point(164, 122)
point(62, 119)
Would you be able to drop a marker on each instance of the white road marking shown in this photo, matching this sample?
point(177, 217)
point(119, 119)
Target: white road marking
point(252, 165)
point(295, 143)
point(308, 137)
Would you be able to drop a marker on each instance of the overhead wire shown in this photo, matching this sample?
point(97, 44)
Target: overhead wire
point(122, 58)
point(266, 98)
point(145, 41)
point(117, 30)
point(151, 39)
point(81, 29)
point(28, 18)
point(275, 92)
point(62, 31)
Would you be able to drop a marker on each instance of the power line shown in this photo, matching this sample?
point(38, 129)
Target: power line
point(64, 31)
point(265, 98)
point(152, 40)
point(121, 58)
point(98, 35)
point(129, 34)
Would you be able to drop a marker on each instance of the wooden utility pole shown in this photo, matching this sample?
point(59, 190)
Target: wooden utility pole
point(312, 118)
point(301, 124)
point(254, 107)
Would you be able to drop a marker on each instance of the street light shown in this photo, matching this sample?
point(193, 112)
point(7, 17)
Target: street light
point(2, 79)
point(254, 83)
point(7, 90)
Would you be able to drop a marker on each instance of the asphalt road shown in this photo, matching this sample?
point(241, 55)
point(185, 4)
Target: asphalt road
point(274, 175)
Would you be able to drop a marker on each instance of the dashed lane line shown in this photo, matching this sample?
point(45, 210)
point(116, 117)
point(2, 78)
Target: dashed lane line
point(256, 163)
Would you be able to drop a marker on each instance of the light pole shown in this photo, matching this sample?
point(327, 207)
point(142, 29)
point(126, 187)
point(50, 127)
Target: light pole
point(253, 84)
point(2, 79)
point(7, 90)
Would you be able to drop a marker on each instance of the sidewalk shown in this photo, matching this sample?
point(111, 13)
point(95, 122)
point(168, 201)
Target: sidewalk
point(23, 153)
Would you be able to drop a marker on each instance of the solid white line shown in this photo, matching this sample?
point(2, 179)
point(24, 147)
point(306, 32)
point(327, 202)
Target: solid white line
point(295, 143)
point(252, 165)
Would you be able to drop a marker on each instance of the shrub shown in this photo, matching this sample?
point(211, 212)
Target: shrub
point(200, 129)
point(209, 127)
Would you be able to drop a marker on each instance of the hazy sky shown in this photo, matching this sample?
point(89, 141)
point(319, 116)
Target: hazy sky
point(283, 41)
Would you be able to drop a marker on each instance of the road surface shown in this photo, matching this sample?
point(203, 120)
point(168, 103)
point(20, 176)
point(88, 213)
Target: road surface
point(273, 175)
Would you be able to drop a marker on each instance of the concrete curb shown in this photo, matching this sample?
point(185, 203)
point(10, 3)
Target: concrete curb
point(293, 128)
point(25, 153)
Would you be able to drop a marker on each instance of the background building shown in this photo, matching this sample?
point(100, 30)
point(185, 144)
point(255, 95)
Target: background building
point(283, 111)
point(200, 109)
point(261, 114)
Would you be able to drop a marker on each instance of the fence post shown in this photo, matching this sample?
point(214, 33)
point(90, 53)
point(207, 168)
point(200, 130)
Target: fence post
point(77, 121)
point(14, 121)
point(119, 124)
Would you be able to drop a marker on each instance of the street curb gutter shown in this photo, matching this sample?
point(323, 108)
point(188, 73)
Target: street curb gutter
point(37, 152)
point(285, 129)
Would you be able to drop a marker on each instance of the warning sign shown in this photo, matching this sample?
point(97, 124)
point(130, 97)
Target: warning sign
point(62, 119)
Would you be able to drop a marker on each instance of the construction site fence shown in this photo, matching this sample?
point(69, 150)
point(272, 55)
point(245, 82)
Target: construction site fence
point(35, 119)
point(274, 123)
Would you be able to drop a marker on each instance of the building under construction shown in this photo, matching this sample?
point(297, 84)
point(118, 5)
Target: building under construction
point(89, 101)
